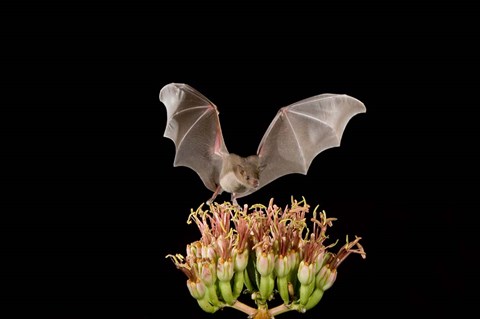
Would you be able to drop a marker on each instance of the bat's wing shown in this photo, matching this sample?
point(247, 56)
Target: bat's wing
point(193, 125)
point(300, 131)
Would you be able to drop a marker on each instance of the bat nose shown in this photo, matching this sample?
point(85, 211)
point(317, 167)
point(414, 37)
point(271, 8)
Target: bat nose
point(255, 183)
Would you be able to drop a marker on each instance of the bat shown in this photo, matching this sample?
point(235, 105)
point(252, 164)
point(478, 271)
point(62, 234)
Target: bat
point(297, 134)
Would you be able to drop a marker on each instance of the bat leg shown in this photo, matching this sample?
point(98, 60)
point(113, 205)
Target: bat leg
point(217, 191)
point(234, 200)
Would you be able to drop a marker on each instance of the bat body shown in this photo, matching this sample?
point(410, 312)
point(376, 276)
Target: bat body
point(239, 174)
point(297, 134)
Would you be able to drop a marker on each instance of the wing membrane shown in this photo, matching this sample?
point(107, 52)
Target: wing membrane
point(193, 125)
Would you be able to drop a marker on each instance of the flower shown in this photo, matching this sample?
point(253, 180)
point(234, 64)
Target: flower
point(261, 250)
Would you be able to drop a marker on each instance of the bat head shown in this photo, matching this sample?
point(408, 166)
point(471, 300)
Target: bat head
point(249, 171)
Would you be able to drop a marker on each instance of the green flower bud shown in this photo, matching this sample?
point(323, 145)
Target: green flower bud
point(208, 273)
point(197, 289)
point(281, 266)
point(194, 249)
point(293, 259)
point(224, 270)
point(241, 260)
point(306, 273)
point(265, 263)
point(325, 278)
point(208, 252)
point(319, 261)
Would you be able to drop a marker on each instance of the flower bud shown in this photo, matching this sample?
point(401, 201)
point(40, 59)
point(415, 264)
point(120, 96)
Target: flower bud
point(197, 289)
point(281, 266)
point(208, 252)
point(241, 260)
point(208, 273)
point(293, 259)
point(306, 273)
point(325, 278)
point(224, 270)
point(265, 263)
point(194, 249)
point(319, 261)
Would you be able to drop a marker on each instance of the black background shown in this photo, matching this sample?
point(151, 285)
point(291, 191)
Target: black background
point(93, 204)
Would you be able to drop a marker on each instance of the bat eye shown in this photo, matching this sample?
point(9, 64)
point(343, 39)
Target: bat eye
point(248, 178)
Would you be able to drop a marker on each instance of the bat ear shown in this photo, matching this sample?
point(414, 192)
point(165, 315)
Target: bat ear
point(254, 159)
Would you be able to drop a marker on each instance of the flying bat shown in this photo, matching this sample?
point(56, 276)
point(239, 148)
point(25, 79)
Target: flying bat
point(297, 134)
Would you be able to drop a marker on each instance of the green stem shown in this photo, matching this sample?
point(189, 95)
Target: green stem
point(282, 286)
point(212, 296)
point(305, 292)
point(267, 284)
point(226, 291)
point(205, 304)
point(248, 282)
point(314, 299)
point(238, 282)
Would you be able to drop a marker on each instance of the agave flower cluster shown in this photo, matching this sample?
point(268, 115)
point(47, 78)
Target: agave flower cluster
point(263, 251)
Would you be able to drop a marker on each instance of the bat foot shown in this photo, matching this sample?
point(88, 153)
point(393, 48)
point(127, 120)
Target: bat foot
point(234, 201)
point(210, 201)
